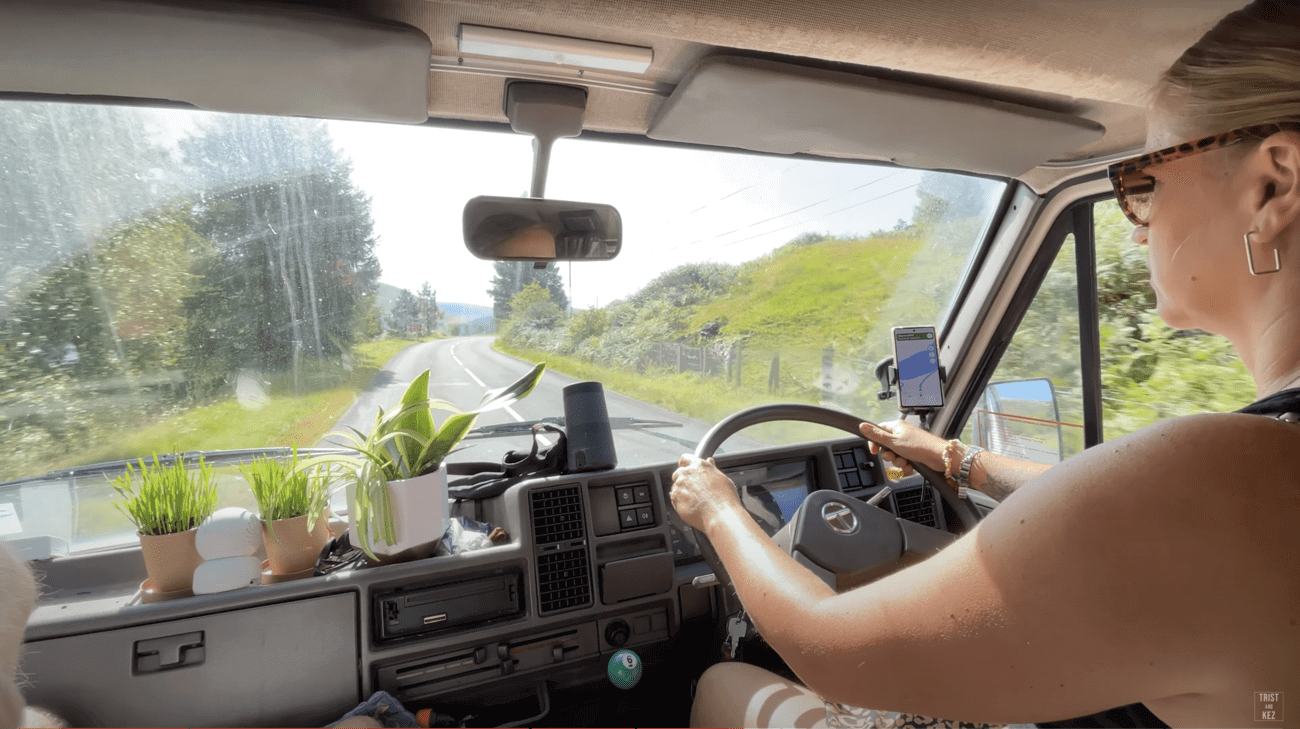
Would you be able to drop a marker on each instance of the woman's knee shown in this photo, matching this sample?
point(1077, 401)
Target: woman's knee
point(738, 694)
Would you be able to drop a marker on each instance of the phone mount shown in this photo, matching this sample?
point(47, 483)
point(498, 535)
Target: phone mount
point(887, 373)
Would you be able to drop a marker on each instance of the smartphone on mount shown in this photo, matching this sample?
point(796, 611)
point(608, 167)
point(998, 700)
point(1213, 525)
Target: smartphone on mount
point(916, 355)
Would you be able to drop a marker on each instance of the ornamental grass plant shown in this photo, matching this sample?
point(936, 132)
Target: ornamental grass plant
point(287, 490)
point(171, 498)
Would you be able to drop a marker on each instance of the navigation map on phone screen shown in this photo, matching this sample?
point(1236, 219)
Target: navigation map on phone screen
point(917, 353)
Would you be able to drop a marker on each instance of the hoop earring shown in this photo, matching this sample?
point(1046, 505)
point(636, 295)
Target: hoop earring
point(1250, 259)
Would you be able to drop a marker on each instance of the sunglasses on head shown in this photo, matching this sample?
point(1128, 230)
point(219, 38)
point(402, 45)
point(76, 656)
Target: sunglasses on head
point(1135, 189)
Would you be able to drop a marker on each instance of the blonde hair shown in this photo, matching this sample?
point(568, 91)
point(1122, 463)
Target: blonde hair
point(17, 597)
point(1244, 71)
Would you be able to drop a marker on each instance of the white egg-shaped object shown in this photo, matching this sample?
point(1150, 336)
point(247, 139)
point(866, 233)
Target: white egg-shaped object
point(229, 532)
point(227, 573)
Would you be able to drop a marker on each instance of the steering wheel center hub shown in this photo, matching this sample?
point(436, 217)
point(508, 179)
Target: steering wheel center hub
point(840, 518)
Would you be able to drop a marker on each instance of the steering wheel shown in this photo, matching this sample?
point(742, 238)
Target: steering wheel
point(833, 534)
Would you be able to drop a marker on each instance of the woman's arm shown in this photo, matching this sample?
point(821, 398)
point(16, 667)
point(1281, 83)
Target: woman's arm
point(1084, 592)
point(902, 443)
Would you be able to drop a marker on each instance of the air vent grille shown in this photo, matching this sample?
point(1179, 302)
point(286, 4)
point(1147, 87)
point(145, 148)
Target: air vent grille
point(557, 515)
point(563, 580)
point(917, 505)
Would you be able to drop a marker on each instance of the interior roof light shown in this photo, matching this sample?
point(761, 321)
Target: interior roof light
point(554, 49)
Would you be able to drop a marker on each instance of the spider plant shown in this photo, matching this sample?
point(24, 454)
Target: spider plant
point(405, 443)
point(286, 490)
point(171, 499)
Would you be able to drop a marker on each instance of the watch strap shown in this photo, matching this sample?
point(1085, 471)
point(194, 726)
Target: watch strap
point(963, 473)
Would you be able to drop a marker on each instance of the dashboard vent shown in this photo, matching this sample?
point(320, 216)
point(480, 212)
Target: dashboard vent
point(563, 564)
point(563, 580)
point(917, 505)
point(557, 515)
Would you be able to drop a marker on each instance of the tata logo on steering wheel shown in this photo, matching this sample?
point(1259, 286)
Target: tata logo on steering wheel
point(840, 517)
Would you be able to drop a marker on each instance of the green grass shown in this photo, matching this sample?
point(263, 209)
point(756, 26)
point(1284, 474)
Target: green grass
point(286, 420)
point(812, 295)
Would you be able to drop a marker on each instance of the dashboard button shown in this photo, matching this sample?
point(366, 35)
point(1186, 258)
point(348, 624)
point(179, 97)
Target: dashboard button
point(625, 496)
point(641, 494)
point(627, 518)
point(645, 515)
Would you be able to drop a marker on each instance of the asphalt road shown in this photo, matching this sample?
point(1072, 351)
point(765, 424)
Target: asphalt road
point(462, 369)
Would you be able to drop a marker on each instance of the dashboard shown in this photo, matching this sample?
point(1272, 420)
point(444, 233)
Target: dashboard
point(770, 492)
point(595, 562)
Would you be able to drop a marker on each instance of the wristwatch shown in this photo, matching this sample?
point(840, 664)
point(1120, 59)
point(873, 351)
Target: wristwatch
point(963, 473)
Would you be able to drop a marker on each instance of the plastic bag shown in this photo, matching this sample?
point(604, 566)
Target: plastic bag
point(465, 535)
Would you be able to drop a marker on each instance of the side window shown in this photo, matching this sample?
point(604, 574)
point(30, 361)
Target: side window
point(1149, 371)
point(1033, 407)
point(1035, 404)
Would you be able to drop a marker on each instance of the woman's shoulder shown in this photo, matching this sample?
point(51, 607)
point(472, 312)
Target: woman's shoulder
point(1198, 440)
point(1221, 464)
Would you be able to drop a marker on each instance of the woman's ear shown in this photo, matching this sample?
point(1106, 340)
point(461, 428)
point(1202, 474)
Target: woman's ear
point(1275, 187)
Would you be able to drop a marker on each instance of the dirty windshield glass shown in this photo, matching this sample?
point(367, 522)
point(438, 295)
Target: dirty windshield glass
point(176, 281)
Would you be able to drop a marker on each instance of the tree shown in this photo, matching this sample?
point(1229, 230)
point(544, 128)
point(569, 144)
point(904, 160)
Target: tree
point(513, 276)
point(406, 312)
point(430, 314)
point(70, 172)
point(293, 266)
point(945, 196)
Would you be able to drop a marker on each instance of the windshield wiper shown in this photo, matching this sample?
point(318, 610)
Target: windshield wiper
point(213, 458)
point(524, 427)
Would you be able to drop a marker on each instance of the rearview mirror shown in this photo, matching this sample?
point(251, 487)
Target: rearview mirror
point(532, 229)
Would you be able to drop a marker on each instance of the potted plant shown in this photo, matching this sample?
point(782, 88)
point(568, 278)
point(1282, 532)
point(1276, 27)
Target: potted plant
point(171, 502)
point(397, 488)
point(293, 502)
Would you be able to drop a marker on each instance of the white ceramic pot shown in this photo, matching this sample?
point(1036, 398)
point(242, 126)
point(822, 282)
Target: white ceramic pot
point(420, 514)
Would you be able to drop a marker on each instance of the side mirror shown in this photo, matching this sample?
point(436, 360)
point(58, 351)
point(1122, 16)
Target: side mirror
point(532, 229)
point(1021, 419)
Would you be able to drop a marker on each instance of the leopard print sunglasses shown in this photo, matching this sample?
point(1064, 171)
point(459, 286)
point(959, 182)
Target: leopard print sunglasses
point(1136, 190)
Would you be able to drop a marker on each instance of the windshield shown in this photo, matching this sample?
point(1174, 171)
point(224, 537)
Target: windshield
point(185, 281)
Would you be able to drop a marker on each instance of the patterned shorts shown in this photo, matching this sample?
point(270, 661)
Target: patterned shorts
point(851, 717)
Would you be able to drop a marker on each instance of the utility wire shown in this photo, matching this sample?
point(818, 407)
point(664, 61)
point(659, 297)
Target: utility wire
point(797, 210)
point(731, 194)
point(850, 207)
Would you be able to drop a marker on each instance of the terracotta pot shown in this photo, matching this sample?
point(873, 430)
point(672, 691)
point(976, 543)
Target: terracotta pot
point(292, 548)
point(170, 560)
point(420, 514)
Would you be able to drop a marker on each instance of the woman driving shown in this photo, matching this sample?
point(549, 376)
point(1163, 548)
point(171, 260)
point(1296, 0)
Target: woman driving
point(1156, 568)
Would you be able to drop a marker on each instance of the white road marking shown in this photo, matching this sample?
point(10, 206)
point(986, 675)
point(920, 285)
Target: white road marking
point(546, 440)
point(518, 418)
point(472, 376)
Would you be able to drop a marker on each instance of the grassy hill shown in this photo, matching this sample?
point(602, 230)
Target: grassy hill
point(811, 294)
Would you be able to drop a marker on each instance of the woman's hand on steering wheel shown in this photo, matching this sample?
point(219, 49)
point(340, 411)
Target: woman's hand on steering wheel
point(700, 490)
point(901, 444)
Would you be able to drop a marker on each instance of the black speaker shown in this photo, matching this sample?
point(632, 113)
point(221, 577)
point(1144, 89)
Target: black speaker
point(586, 425)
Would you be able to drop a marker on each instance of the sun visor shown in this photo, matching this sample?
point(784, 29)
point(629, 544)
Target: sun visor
point(253, 58)
point(770, 106)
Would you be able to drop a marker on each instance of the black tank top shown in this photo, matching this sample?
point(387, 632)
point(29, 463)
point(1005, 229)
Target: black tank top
point(1138, 715)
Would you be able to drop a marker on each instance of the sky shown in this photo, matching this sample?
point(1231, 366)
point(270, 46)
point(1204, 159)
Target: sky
point(678, 206)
